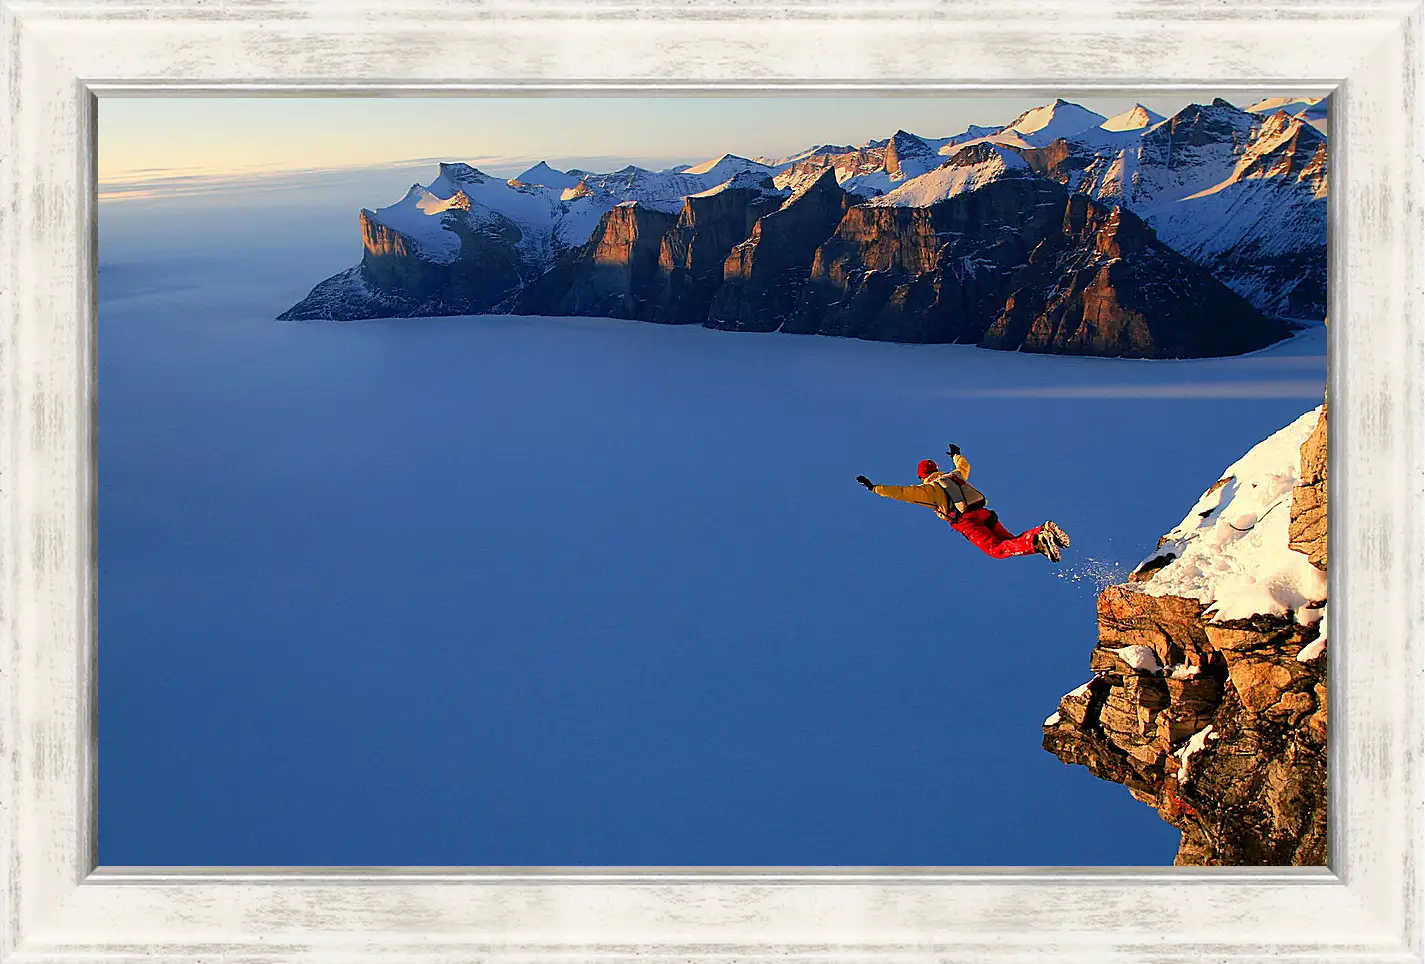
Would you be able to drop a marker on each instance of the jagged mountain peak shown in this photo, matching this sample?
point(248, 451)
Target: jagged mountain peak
point(967, 170)
point(1220, 112)
point(823, 182)
point(543, 175)
point(1136, 118)
point(905, 143)
point(908, 156)
point(722, 160)
point(758, 181)
point(816, 150)
point(1312, 110)
point(1052, 121)
point(1285, 146)
point(1283, 123)
point(1198, 125)
point(985, 152)
point(455, 171)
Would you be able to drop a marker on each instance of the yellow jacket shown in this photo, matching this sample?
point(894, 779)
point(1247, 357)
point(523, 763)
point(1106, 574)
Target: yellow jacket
point(945, 492)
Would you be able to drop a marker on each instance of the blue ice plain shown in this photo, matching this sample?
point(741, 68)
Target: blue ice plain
point(517, 591)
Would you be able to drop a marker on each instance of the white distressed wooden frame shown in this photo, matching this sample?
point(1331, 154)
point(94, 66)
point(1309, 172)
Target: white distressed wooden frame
point(57, 906)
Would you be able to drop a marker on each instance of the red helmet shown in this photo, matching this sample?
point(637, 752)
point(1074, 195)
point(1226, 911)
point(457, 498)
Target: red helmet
point(926, 467)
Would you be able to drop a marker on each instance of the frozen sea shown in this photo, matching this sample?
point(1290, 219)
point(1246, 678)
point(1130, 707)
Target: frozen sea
point(531, 591)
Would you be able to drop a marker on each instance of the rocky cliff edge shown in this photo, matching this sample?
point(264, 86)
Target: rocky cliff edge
point(1209, 695)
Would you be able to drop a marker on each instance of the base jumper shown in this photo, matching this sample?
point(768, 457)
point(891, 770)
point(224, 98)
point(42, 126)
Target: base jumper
point(959, 503)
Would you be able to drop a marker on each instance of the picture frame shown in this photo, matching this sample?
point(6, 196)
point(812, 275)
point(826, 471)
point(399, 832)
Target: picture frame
point(60, 55)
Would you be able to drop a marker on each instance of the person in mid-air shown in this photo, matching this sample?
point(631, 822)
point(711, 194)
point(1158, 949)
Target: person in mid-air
point(962, 505)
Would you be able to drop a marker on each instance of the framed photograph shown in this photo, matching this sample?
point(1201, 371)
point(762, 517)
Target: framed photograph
point(517, 483)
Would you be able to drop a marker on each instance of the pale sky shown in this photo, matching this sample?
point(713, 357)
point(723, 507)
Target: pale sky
point(155, 138)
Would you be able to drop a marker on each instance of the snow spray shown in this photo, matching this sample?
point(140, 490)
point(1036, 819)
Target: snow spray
point(1093, 573)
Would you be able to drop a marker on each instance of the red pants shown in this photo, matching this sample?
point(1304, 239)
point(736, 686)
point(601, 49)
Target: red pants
point(983, 528)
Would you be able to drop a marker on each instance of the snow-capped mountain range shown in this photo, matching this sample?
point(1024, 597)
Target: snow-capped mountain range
point(1242, 193)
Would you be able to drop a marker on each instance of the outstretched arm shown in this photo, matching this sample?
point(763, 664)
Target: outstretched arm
point(932, 496)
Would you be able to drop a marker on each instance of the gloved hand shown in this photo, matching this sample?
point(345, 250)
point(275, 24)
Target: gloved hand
point(952, 450)
point(865, 481)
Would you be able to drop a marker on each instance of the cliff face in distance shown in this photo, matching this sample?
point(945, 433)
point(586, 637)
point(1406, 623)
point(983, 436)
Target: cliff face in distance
point(1219, 723)
point(1190, 230)
point(616, 270)
point(763, 277)
point(995, 256)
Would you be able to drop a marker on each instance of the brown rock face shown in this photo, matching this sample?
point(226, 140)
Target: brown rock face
point(648, 265)
point(1056, 161)
point(390, 260)
point(1021, 265)
point(763, 277)
point(1104, 285)
point(398, 280)
point(1017, 264)
point(692, 253)
point(613, 274)
point(903, 146)
point(1217, 726)
point(1308, 499)
point(933, 274)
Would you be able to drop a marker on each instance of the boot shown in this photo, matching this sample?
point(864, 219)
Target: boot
point(1060, 537)
point(1046, 546)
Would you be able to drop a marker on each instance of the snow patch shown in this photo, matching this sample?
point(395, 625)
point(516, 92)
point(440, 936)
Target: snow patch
point(1231, 549)
point(1141, 658)
point(1317, 646)
point(1052, 719)
point(1194, 744)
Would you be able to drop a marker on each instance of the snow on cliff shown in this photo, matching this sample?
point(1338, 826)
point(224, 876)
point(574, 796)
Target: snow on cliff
point(420, 217)
point(719, 169)
point(745, 181)
point(543, 209)
point(972, 168)
point(1231, 550)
